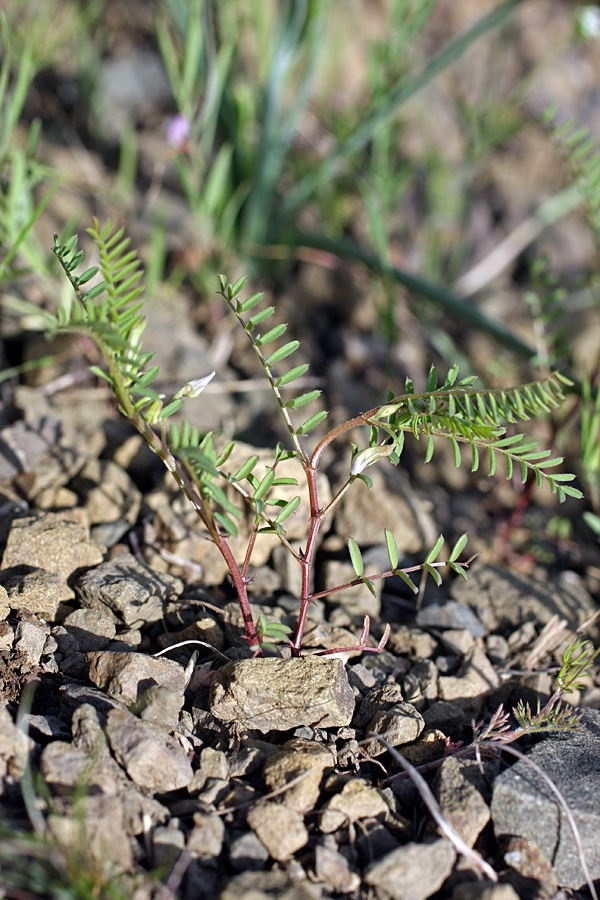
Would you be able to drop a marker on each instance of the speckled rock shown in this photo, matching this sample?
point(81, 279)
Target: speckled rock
point(357, 800)
point(412, 872)
point(155, 761)
point(280, 694)
point(127, 676)
point(279, 828)
point(298, 758)
point(128, 590)
point(56, 542)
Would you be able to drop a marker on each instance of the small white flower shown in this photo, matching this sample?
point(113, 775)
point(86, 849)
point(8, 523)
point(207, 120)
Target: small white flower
point(369, 457)
point(194, 388)
point(588, 22)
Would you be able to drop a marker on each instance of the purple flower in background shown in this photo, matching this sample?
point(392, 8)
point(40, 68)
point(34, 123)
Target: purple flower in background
point(178, 130)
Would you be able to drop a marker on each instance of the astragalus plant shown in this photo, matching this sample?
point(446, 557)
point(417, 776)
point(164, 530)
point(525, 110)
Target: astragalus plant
point(111, 314)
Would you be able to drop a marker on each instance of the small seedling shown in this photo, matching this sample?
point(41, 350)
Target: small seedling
point(111, 314)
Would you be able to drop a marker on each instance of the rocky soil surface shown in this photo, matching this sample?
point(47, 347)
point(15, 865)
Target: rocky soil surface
point(237, 776)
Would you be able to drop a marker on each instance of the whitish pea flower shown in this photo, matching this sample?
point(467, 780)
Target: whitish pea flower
point(178, 130)
point(369, 457)
point(588, 22)
point(194, 388)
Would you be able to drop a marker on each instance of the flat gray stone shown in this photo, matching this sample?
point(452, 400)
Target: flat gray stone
point(412, 872)
point(280, 694)
point(523, 804)
point(131, 590)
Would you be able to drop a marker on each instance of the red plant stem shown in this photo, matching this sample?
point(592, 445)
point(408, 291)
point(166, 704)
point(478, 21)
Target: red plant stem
point(185, 483)
point(316, 518)
point(239, 583)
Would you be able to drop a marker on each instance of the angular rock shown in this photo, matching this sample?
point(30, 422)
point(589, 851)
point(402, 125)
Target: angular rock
point(96, 832)
point(14, 747)
point(109, 493)
point(206, 838)
point(247, 853)
point(461, 803)
point(365, 514)
point(4, 604)
point(161, 706)
point(357, 800)
point(280, 829)
point(478, 890)
point(526, 858)
point(475, 678)
point(132, 591)
point(450, 615)
point(446, 716)
point(35, 590)
point(400, 724)
point(154, 761)
point(91, 628)
point(523, 805)
point(412, 872)
point(30, 639)
point(429, 746)
point(503, 601)
point(332, 868)
point(280, 694)
point(298, 758)
point(377, 700)
point(127, 676)
point(56, 542)
point(267, 886)
point(34, 453)
point(64, 767)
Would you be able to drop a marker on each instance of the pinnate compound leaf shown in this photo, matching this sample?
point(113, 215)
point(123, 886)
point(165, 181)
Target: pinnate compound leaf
point(355, 557)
